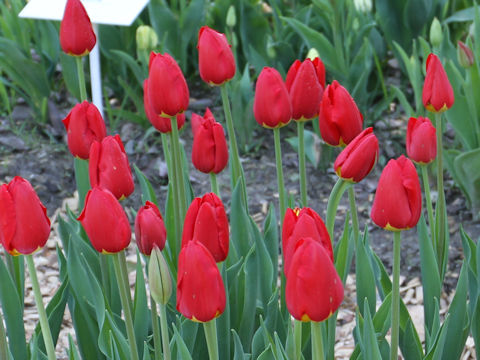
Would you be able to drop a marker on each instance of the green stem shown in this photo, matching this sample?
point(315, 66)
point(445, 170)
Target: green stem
point(166, 152)
point(353, 212)
point(165, 338)
point(395, 295)
point(440, 207)
point(105, 273)
point(81, 79)
point(301, 162)
point(317, 341)
point(210, 329)
point(178, 164)
point(280, 181)
point(157, 342)
point(214, 184)
point(173, 176)
point(3, 340)
point(42, 314)
point(126, 299)
point(82, 180)
point(297, 338)
point(333, 201)
point(428, 200)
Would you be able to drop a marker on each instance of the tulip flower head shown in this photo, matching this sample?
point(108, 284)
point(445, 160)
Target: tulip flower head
point(398, 200)
point(149, 228)
point(24, 224)
point(421, 140)
point(437, 93)
point(77, 37)
point(465, 55)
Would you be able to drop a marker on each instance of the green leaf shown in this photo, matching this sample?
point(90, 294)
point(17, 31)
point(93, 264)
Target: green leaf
point(467, 167)
point(148, 194)
point(267, 354)
point(239, 354)
point(365, 276)
point(312, 149)
point(141, 314)
point(369, 338)
point(343, 252)
point(180, 344)
point(72, 350)
point(464, 15)
point(119, 55)
point(270, 235)
point(438, 347)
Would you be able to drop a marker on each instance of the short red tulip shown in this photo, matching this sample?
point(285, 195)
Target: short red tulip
point(105, 221)
point(149, 228)
point(215, 57)
point(358, 158)
point(109, 167)
point(209, 150)
point(314, 290)
point(84, 125)
point(398, 200)
point(167, 88)
point(162, 124)
point(421, 140)
point(24, 224)
point(437, 92)
point(272, 106)
point(300, 223)
point(340, 120)
point(77, 37)
point(200, 289)
point(206, 221)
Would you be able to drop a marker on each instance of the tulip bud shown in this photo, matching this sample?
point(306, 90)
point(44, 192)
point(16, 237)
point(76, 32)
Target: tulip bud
point(272, 107)
point(77, 37)
point(231, 17)
point(109, 167)
point(314, 290)
point(24, 224)
point(437, 93)
point(320, 69)
point(364, 6)
point(312, 54)
point(105, 221)
point(421, 140)
point(464, 55)
point(149, 228)
point(147, 39)
point(436, 33)
point(209, 150)
point(398, 200)
point(200, 289)
point(358, 158)
point(159, 279)
point(206, 221)
point(84, 125)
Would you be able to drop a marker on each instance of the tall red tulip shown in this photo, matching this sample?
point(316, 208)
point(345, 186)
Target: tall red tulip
point(84, 125)
point(215, 57)
point(314, 290)
point(24, 224)
point(77, 37)
point(340, 120)
point(109, 167)
point(149, 228)
point(272, 106)
point(421, 140)
point(200, 289)
point(437, 91)
point(398, 200)
point(105, 221)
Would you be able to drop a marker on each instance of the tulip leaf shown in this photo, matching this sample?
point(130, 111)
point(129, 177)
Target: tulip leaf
point(312, 146)
point(148, 194)
point(270, 234)
point(223, 321)
point(436, 350)
point(123, 57)
point(364, 276)
point(72, 350)
point(371, 350)
point(146, 352)
point(267, 354)
point(111, 340)
point(467, 168)
point(281, 353)
point(343, 252)
point(82, 179)
point(180, 344)
point(170, 250)
point(239, 354)
point(141, 315)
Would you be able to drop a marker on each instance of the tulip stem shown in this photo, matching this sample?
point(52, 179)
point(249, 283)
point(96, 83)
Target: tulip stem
point(210, 328)
point(397, 238)
point(440, 206)
point(354, 214)
point(214, 184)
point(166, 152)
point(165, 338)
point(3, 340)
point(125, 298)
point(179, 168)
point(82, 180)
point(42, 314)
point(333, 201)
point(81, 79)
point(280, 181)
point(301, 162)
point(297, 338)
point(317, 341)
point(157, 342)
point(428, 200)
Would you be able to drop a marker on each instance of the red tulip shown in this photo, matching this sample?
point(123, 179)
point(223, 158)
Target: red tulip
point(398, 200)
point(314, 290)
point(320, 68)
point(272, 106)
point(215, 57)
point(167, 88)
point(358, 158)
point(340, 120)
point(77, 37)
point(105, 221)
point(84, 125)
point(149, 228)
point(437, 92)
point(162, 124)
point(206, 221)
point(200, 289)
point(109, 167)
point(298, 224)
point(421, 140)
point(24, 224)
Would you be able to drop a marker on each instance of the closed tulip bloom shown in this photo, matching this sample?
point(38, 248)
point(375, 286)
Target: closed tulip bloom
point(105, 221)
point(320, 69)
point(77, 37)
point(167, 88)
point(437, 92)
point(206, 221)
point(358, 158)
point(314, 290)
point(161, 123)
point(84, 125)
point(421, 140)
point(200, 289)
point(465, 55)
point(109, 167)
point(298, 224)
point(215, 57)
point(398, 200)
point(340, 120)
point(149, 228)
point(272, 106)
point(24, 224)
